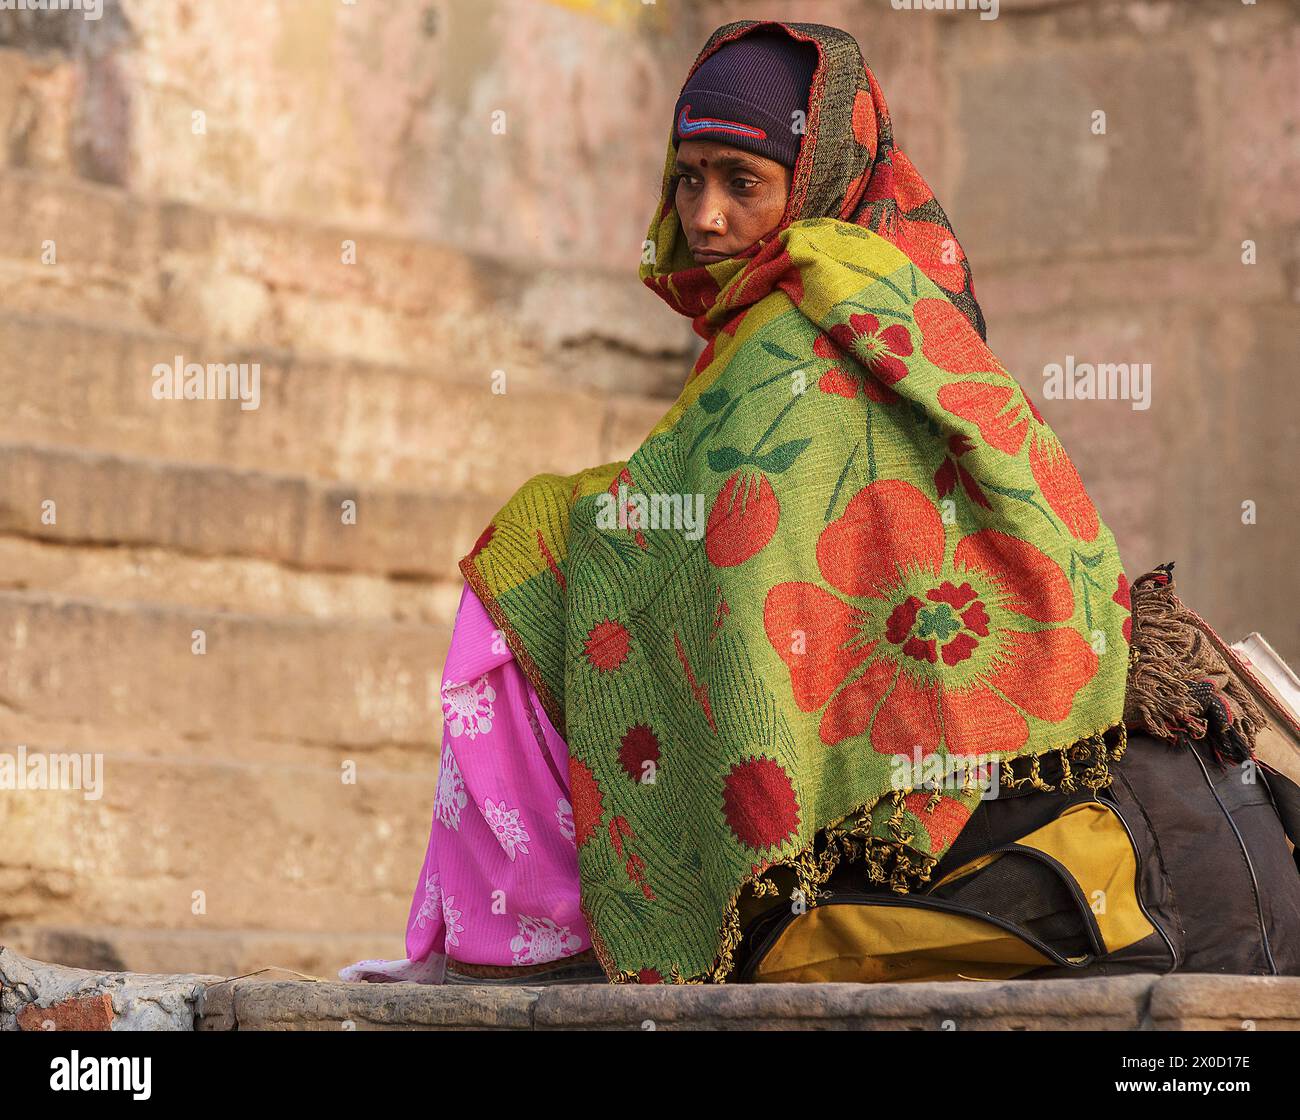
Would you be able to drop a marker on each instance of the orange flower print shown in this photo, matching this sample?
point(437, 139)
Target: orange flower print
point(862, 344)
point(999, 412)
point(588, 802)
point(996, 410)
point(910, 188)
point(935, 250)
point(1062, 486)
point(943, 823)
point(607, 645)
point(946, 648)
point(950, 342)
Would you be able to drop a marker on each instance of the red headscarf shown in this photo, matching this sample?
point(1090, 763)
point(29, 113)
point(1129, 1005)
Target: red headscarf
point(849, 168)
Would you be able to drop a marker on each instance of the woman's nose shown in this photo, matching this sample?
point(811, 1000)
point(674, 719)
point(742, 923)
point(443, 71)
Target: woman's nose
point(710, 216)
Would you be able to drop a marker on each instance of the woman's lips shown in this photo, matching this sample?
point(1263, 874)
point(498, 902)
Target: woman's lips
point(708, 256)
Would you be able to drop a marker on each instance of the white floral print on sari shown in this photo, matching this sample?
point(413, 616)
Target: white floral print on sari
point(452, 916)
point(467, 707)
point(432, 903)
point(564, 815)
point(506, 827)
point(501, 824)
point(449, 798)
point(541, 940)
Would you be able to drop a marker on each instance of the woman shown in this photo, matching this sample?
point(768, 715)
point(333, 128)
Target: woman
point(898, 559)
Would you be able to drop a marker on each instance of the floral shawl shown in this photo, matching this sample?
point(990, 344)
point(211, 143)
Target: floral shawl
point(898, 567)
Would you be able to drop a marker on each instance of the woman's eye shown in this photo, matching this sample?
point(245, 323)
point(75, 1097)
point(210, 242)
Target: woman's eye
point(745, 184)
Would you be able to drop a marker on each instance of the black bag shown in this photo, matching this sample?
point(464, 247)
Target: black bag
point(1182, 863)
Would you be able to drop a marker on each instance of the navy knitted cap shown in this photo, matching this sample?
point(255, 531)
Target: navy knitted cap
point(746, 93)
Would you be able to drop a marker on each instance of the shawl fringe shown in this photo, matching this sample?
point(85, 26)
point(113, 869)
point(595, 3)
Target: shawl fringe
point(1178, 681)
point(1085, 764)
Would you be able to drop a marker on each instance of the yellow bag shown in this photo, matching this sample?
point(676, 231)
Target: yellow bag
point(1086, 906)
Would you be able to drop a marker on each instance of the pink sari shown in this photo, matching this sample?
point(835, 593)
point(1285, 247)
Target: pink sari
point(499, 884)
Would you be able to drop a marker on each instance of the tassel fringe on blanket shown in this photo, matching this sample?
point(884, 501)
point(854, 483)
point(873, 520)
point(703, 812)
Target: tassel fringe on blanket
point(1179, 686)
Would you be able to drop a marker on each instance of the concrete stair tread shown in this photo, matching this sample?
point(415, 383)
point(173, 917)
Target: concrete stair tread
point(279, 678)
point(205, 510)
point(219, 584)
point(1141, 1002)
point(92, 386)
point(262, 280)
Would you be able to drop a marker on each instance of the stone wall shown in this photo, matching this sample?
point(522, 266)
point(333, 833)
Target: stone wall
point(185, 178)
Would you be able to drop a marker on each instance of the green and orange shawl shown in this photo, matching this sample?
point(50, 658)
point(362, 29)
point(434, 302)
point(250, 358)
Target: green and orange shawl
point(899, 559)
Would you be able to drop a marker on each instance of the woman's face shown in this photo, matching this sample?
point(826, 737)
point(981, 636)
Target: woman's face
point(727, 198)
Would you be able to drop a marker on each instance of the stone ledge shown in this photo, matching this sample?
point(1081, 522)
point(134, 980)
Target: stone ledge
point(1142, 1002)
point(34, 995)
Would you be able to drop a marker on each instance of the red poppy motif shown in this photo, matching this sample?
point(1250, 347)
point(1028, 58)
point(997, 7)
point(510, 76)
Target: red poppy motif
point(771, 267)
point(742, 521)
point(638, 746)
point(950, 342)
point(934, 249)
point(861, 343)
point(624, 512)
point(706, 357)
point(946, 646)
point(698, 689)
point(999, 412)
point(864, 121)
point(911, 190)
point(1123, 596)
point(759, 803)
point(1061, 485)
point(623, 840)
point(952, 472)
point(943, 823)
point(588, 805)
point(607, 645)
point(729, 327)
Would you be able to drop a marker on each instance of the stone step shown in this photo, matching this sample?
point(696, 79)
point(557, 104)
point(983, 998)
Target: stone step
point(87, 499)
point(141, 573)
point(252, 845)
point(91, 386)
point(41, 995)
point(249, 280)
point(128, 666)
point(1184, 1001)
